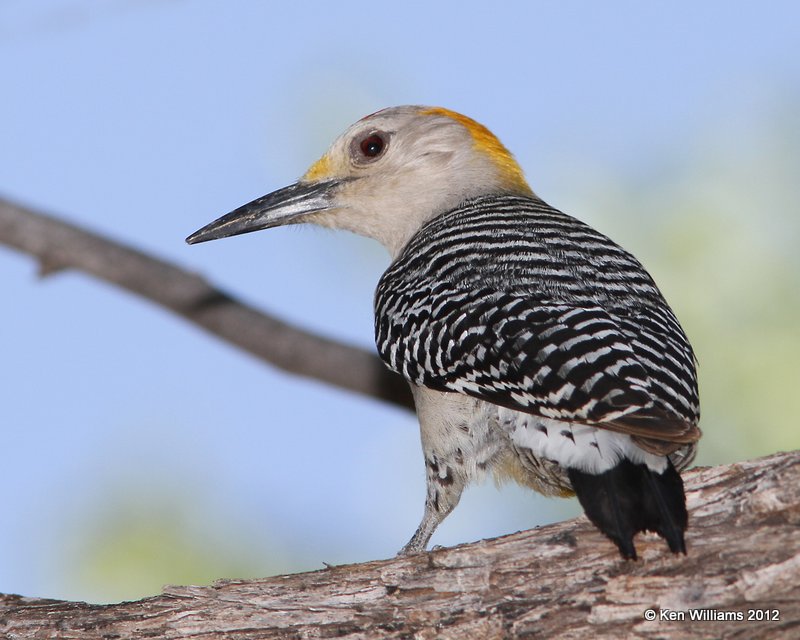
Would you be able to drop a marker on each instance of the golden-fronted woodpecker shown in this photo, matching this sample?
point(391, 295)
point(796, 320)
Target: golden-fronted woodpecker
point(536, 348)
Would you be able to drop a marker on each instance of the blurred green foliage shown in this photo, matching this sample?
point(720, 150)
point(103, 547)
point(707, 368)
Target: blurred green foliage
point(141, 540)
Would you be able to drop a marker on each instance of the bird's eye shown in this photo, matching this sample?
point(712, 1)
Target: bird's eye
point(372, 146)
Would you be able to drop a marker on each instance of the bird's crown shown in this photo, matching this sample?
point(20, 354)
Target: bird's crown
point(427, 119)
point(485, 142)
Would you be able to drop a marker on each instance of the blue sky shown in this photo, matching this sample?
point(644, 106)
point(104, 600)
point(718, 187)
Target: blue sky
point(145, 120)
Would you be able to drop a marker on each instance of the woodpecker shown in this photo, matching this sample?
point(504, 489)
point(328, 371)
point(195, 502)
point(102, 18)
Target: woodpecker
point(537, 349)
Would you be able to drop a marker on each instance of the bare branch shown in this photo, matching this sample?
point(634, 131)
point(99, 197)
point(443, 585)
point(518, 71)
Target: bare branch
point(564, 580)
point(59, 245)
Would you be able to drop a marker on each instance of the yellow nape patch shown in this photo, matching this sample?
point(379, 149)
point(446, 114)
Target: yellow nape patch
point(319, 170)
point(486, 142)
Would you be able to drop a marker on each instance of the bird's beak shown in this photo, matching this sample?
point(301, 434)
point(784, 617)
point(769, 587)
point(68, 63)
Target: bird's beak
point(284, 206)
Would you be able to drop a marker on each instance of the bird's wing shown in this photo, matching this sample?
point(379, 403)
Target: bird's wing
point(508, 300)
point(554, 360)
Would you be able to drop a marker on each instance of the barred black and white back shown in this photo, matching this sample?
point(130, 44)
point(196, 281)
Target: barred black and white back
point(510, 301)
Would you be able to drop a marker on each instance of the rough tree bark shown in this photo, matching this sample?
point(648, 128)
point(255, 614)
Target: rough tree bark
point(564, 580)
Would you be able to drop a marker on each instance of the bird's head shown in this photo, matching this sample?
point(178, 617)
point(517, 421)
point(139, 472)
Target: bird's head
point(386, 176)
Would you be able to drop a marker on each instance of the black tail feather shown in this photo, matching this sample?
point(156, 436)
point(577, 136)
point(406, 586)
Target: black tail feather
point(630, 498)
point(666, 499)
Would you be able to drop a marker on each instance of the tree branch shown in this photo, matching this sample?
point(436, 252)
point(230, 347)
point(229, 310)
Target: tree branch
point(564, 580)
point(59, 245)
